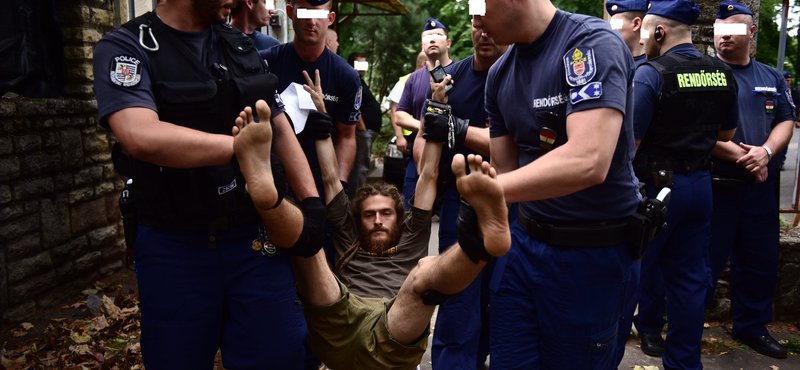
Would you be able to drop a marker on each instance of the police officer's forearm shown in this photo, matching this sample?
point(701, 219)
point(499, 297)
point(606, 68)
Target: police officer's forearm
point(780, 136)
point(148, 139)
point(504, 154)
point(478, 140)
point(329, 169)
point(583, 161)
point(406, 121)
point(345, 145)
point(288, 149)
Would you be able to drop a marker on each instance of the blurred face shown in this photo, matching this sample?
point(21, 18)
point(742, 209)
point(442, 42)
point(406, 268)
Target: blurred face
point(485, 47)
point(361, 73)
point(735, 46)
point(260, 13)
point(651, 47)
point(310, 31)
point(435, 43)
point(379, 224)
point(627, 32)
point(332, 40)
point(788, 81)
point(213, 11)
point(497, 20)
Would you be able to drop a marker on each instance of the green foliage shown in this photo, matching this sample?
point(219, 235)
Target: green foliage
point(792, 344)
point(769, 37)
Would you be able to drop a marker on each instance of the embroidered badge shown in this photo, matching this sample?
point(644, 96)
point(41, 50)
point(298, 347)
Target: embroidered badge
point(593, 90)
point(790, 98)
point(580, 66)
point(354, 116)
point(769, 106)
point(547, 137)
point(126, 71)
point(357, 104)
point(278, 100)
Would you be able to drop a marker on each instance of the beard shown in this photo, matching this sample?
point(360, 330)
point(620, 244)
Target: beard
point(209, 11)
point(379, 246)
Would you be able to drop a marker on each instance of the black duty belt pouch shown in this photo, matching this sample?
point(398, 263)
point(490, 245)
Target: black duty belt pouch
point(643, 225)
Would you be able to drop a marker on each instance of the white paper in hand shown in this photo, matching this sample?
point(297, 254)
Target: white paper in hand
point(298, 103)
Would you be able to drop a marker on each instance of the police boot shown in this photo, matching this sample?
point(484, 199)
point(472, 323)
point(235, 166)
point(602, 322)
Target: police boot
point(652, 344)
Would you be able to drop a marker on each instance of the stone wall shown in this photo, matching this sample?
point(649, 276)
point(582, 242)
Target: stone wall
point(703, 29)
point(786, 306)
point(59, 220)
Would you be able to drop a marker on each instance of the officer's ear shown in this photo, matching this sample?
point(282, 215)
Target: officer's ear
point(289, 10)
point(659, 34)
point(331, 17)
point(637, 24)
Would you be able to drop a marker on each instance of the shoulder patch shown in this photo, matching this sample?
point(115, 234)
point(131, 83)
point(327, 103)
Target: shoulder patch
point(126, 70)
point(357, 103)
point(279, 101)
point(354, 116)
point(579, 65)
point(790, 98)
point(593, 90)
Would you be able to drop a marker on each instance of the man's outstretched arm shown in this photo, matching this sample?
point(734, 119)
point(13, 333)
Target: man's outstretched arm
point(452, 271)
point(320, 125)
point(285, 223)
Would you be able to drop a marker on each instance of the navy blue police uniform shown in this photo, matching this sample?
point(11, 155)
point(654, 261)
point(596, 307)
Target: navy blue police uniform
point(743, 224)
point(412, 102)
point(342, 95)
point(458, 323)
point(202, 287)
point(263, 41)
point(682, 100)
point(555, 306)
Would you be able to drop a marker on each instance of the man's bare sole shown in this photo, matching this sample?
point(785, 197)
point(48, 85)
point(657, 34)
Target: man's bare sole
point(481, 189)
point(252, 143)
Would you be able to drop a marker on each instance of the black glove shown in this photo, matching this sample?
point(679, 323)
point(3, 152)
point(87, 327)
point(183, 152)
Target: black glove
point(460, 127)
point(436, 127)
point(319, 125)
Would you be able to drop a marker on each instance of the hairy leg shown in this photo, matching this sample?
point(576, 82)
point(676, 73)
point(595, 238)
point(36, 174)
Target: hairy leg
point(452, 271)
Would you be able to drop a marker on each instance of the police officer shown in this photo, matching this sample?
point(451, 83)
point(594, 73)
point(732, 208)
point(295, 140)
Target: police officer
point(743, 225)
point(436, 45)
point(626, 17)
point(458, 324)
point(555, 298)
point(684, 102)
point(170, 84)
point(307, 52)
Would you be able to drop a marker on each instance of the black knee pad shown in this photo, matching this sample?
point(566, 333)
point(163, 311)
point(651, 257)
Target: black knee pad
point(434, 298)
point(313, 234)
point(468, 239)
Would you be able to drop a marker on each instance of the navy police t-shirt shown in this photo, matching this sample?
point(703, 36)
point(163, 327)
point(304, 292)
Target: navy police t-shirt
point(764, 101)
point(341, 85)
point(578, 63)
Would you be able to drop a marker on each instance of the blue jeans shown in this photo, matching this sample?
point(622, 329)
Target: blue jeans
point(195, 301)
point(557, 307)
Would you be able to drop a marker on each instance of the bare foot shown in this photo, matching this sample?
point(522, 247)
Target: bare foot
point(252, 143)
point(481, 189)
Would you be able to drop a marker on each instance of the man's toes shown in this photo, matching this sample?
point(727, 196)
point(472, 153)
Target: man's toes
point(485, 166)
point(474, 165)
point(459, 166)
point(263, 110)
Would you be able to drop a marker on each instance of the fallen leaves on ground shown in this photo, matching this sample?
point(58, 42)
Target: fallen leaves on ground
point(105, 341)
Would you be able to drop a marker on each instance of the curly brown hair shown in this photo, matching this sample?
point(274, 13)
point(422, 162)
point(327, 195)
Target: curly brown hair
point(364, 192)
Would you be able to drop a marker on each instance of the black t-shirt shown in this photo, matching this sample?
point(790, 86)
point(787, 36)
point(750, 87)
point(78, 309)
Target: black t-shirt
point(370, 109)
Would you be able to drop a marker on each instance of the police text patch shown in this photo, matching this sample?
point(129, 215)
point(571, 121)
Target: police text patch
point(126, 70)
point(580, 66)
point(698, 80)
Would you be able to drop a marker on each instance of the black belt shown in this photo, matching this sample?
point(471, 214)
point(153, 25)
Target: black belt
point(644, 165)
point(222, 223)
point(603, 234)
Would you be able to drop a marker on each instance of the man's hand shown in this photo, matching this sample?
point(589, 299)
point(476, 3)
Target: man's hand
point(402, 143)
point(760, 175)
point(315, 89)
point(438, 92)
point(755, 159)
